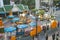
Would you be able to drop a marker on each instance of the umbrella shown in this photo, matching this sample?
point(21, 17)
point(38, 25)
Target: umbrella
point(32, 24)
point(9, 29)
point(15, 19)
point(11, 16)
point(32, 17)
point(22, 26)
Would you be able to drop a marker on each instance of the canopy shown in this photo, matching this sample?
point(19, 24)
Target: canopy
point(10, 16)
point(33, 17)
point(26, 7)
point(15, 19)
point(15, 8)
point(8, 7)
point(9, 29)
point(2, 11)
point(32, 24)
point(21, 7)
point(22, 26)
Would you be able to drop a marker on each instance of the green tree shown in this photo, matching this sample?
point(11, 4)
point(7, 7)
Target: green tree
point(17, 1)
point(6, 2)
point(30, 3)
point(56, 1)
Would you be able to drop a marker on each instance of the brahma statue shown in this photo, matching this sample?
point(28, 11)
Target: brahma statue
point(23, 16)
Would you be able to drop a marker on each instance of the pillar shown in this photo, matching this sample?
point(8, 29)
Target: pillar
point(51, 6)
point(1, 3)
point(37, 4)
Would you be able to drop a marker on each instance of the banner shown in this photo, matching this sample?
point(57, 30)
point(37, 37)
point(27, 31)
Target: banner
point(1, 3)
point(45, 1)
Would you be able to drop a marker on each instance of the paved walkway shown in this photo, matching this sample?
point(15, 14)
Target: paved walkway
point(42, 37)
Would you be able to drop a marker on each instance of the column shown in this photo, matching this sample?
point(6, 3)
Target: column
point(51, 6)
point(37, 4)
point(1, 3)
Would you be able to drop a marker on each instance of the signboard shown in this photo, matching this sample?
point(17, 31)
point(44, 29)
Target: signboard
point(1, 3)
point(45, 1)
